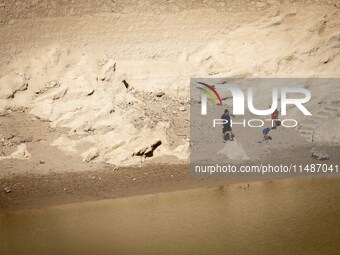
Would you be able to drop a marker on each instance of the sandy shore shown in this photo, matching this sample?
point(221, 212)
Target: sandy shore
point(104, 182)
point(50, 176)
point(34, 191)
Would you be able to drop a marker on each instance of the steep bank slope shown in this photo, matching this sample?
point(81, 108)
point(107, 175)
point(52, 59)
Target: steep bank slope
point(102, 74)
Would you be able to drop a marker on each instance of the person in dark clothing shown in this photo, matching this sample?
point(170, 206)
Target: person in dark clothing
point(226, 130)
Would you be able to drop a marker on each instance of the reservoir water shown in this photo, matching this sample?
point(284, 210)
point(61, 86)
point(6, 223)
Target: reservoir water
point(278, 217)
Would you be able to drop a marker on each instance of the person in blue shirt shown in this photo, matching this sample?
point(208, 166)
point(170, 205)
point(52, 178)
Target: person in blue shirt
point(265, 133)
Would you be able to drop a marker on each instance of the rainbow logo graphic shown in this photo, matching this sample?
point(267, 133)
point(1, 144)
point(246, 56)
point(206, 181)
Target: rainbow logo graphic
point(210, 91)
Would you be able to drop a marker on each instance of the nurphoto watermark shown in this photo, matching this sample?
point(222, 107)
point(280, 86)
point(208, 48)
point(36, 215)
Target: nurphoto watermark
point(253, 122)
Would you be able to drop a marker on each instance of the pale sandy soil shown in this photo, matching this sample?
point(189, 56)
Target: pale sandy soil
point(80, 84)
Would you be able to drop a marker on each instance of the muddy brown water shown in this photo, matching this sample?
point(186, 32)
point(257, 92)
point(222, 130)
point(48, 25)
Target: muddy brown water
point(278, 217)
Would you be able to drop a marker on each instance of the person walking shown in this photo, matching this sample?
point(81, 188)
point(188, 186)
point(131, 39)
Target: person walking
point(226, 130)
point(275, 119)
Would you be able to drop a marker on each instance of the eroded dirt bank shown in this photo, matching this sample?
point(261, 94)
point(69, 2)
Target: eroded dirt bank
point(89, 86)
